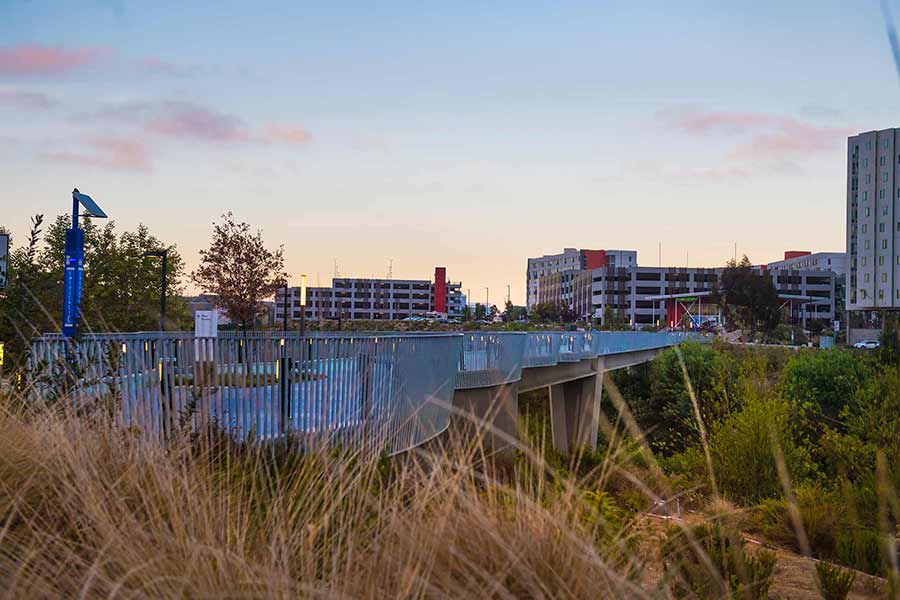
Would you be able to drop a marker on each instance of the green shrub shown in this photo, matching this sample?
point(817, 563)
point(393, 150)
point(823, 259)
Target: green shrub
point(834, 582)
point(821, 512)
point(743, 453)
point(687, 554)
point(860, 548)
point(661, 403)
point(821, 384)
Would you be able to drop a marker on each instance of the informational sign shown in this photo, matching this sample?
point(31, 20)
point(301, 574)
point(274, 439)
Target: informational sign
point(72, 281)
point(4, 260)
point(206, 323)
point(837, 326)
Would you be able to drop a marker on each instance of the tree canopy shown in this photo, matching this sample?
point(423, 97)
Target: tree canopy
point(750, 296)
point(239, 269)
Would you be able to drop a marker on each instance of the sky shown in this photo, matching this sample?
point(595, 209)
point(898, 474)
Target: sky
point(470, 135)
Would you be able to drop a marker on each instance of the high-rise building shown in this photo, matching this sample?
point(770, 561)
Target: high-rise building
point(571, 259)
point(873, 220)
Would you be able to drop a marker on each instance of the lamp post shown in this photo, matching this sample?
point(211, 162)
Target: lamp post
point(74, 265)
point(303, 306)
point(284, 316)
point(164, 255)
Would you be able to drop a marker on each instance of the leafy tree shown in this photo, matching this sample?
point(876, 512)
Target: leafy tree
point(513, 313)
point(661, 402)
point(480, 312)
point(549, 312)
point(750, 296)
point(239, 270)
point(820, 384)
point(121, 287)
point(613, 320)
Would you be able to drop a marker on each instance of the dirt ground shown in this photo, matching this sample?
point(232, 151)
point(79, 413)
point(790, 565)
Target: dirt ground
point(795, 575)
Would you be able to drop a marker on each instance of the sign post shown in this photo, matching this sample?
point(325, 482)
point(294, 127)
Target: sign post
point(74, 266)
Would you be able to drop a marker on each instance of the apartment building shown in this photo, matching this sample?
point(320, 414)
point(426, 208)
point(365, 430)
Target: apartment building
point(571, 259)
point(873, 221)
point(376, 299)
point(654, 296)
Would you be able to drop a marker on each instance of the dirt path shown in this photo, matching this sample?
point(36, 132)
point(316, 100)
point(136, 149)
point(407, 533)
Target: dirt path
point(795, 575)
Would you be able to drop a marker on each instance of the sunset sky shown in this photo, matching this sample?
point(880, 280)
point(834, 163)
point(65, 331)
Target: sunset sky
point(465, 134)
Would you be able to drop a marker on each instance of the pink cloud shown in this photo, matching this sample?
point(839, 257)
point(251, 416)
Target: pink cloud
point(30, 100)
point(763, 135)
point(108, 152)
point(46, 60)
point(290, 134)
point(186, 120)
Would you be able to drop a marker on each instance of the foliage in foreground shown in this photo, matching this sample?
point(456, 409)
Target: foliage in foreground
point(89, 509)
point(834, 582)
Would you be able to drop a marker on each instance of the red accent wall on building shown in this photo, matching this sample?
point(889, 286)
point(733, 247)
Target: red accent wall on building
point(440, 289)
point(795, 253)
point(594, 259)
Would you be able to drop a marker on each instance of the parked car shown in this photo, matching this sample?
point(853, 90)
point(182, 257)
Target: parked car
point(866, 344)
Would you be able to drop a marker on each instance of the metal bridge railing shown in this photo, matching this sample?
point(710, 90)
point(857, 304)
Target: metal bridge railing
point(370, 391)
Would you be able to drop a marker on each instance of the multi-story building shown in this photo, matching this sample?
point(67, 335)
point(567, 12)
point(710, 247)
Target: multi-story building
point(376, 299)
point(836, 262)
point(655, 296)
point(873, 221)
point(571, 259)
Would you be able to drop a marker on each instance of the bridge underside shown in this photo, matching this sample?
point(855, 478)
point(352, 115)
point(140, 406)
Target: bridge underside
point(575, 390)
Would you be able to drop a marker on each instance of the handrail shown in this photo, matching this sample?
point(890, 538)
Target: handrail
point(378, 390)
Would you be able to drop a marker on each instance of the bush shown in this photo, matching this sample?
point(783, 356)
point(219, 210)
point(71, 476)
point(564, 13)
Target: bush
point(688, 553)
point(860, 548)
point(834, 582)
point(744, 457)
point(661, 403)
point(820, 511)
point(822, 383)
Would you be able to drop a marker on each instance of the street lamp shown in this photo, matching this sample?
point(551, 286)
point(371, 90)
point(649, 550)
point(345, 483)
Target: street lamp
point(74, 265)
point(303, 306)
point(164, 255)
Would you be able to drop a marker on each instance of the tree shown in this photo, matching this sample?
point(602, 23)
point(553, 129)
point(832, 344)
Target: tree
point(120, 290)
point(480, 311)
point(121, 285)
point(513, 313)
point(612, 320)
point(239, 270)
point(750, 296)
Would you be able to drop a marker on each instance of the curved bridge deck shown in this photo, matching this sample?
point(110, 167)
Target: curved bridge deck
point(372, 391)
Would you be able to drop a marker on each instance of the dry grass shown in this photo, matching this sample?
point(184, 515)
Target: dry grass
point(88, 511)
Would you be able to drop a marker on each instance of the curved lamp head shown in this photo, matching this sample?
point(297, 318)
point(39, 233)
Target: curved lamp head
point(89, 205)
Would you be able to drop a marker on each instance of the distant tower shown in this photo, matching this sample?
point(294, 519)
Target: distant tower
point(390, 269)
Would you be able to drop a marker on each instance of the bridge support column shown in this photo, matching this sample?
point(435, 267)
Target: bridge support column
point(575, 412)
point(490, 412)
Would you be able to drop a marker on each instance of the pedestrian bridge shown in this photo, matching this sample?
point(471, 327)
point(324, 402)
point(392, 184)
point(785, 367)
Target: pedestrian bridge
point(379, 391)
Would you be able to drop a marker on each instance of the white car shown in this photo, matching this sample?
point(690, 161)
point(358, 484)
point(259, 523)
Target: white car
point(866, 344)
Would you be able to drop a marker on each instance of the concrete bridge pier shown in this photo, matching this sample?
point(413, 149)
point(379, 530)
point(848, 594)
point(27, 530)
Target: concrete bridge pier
point(575, 412)
point(491, 413)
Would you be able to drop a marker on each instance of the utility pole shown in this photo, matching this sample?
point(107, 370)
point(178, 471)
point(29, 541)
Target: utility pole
point(508, 295)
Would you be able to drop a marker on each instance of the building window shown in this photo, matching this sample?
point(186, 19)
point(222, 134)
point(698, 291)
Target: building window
point(869, 145)
point(864, 228)
point(884, 177)
point(866, 278)
point(867, 211)
point(885, 144)
point(881, 228)
point(884, 278)
point(881, 194)
point(881, 161)
point(867, 244)
point(884, 210)
point(884, 244)
point(868, 181)
point(881, 294)
point(865, 163)
point(880, 261)
point(863, 261)
point(865, 196)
